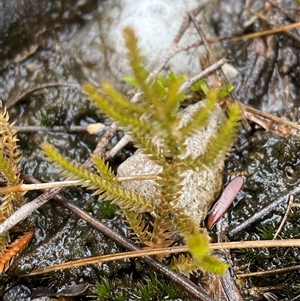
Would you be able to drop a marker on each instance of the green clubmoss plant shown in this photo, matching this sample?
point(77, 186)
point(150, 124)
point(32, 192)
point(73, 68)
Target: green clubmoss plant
point(155, 116)
point(10, 156)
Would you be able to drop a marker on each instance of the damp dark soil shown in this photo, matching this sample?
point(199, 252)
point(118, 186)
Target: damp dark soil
point(32, 38)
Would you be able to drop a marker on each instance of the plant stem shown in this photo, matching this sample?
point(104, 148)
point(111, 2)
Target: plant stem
point(188, 286)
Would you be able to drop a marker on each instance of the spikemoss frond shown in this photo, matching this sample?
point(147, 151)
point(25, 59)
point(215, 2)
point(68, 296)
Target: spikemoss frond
point(153, 91)
point(125, 112)
point(147, 146)
point(160, 102)
point(169, 105)
point(213, 264)
point(10, 156)
point(170, 178)
point(161, 232)
point(184, 264)
point(124, 198)
point(200, 117)
point(103, 168)
point(8, 138)
point(7, 205)
point(4, 240)
point(137, 225)
point(220, 144)
point(153, 236)
point(197, 241)
point(13, 200)
point(153, 123)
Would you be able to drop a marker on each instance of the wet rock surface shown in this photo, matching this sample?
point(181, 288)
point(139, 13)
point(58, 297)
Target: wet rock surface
point(28, 22)
point(271, 168)
point(269, 72)
point(33, 51)
point(99, 47)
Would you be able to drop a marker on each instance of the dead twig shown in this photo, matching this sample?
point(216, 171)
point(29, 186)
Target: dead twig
point(188, 286)
point(267, 32)
point(121, 143)
point(213, 58)
point(270, 272)
point(230, 290)
point(214, 67)
point(260, 214)
point(270, 122)
point(11, 102)
point(170, 250)
point(92, 128)
point(174, 47)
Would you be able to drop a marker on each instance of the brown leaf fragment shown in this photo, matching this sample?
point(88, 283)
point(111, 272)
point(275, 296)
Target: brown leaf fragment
point(223, 203)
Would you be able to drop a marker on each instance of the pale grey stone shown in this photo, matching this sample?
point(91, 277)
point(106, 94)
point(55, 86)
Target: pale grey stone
point(100, 49)
point(201, 187)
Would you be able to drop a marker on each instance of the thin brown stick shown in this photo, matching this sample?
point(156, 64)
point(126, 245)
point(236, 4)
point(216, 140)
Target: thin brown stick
point(109, 133)
point(262, 213)
point(266, 32)
point(92, 128)
point(121, 143)
point(269, 272)
point(203, 38)
point(188, 286)
point(214, 60)
point(174, 47)
point(30, 207)
point(214, 67)
point(270, 122)
point(147, 252)
point(292, 197)
point(230, 290)
point(11, 102)
point(42, 186)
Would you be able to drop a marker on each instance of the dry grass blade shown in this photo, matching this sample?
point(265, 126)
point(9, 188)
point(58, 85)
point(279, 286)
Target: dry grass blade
point(269, 272)
point(146, 252)
point(266, 32)
point(290, 204)
point(42, 186)
point(92, 128)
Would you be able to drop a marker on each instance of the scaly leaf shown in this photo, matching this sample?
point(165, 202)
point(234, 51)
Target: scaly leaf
point(124, 198)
